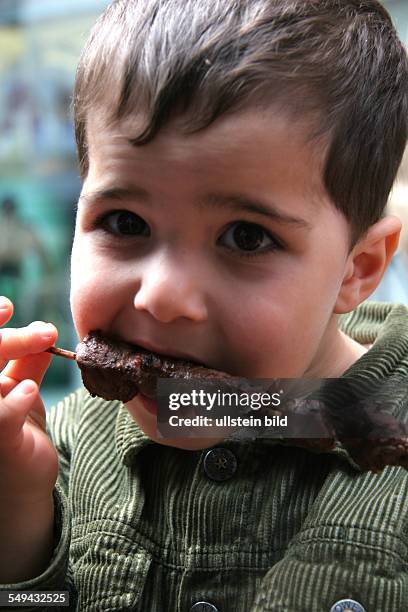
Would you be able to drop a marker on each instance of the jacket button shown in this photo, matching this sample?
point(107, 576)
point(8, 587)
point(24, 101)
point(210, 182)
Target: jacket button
point(220, 464)
point(203, 606)
point(347, 605)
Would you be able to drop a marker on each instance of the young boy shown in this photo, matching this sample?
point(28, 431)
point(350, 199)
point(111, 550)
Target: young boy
point(236, 161)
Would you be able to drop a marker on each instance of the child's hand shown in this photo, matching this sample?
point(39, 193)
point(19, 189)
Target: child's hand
point(28, 460)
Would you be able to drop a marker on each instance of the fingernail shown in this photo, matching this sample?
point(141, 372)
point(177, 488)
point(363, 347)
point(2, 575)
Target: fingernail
point(4, 303)
point(45, 329)
point(48, 332)
point(27, 387)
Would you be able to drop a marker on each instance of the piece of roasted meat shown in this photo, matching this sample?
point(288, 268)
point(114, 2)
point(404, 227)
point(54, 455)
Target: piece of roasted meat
point(116, 370)
point(374, 438)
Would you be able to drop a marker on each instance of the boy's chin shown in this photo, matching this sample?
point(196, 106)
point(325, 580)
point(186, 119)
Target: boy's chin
point(147, 422)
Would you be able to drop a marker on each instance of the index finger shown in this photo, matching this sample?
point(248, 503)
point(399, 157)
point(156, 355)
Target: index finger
point(6, 310)
point(17, 343)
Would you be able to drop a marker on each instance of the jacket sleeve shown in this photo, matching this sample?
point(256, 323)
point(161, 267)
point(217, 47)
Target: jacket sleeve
point(62, 422)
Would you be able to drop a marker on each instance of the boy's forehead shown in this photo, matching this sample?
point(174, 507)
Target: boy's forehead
point(255, 145)
point(248, 124)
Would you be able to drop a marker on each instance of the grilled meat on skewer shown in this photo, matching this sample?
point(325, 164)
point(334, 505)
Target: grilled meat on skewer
point(116, 370)
point(374, 438)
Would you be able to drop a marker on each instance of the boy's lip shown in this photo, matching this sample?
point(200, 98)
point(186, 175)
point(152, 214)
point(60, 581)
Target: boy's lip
point(164, 351)
point(148, 403)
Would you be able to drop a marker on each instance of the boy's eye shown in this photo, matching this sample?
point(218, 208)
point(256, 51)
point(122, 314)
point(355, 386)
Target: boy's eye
point(125, 223)
point(248, 237)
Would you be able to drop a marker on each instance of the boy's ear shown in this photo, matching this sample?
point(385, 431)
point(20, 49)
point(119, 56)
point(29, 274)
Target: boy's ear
point(367, 263)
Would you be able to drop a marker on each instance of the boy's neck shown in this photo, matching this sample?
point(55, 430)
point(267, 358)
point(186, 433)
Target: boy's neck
point(337, 356)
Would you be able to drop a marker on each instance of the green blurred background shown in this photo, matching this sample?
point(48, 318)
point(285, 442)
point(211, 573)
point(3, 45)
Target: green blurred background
point(40, 42)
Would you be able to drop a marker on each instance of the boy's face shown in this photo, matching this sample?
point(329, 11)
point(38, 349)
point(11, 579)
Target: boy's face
point(220, 246)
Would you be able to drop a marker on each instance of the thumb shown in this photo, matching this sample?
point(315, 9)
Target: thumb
point(14, 410)
point(33, 367)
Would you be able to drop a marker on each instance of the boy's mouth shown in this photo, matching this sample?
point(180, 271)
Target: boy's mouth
point(148, 403)
point(153, 347)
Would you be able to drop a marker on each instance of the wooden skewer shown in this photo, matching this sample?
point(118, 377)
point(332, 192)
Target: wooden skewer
point(61, 352)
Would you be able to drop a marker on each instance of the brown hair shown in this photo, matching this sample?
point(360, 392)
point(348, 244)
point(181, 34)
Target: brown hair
point(338, 62)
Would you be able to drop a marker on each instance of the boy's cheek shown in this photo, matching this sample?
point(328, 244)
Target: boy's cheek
point(87, 305)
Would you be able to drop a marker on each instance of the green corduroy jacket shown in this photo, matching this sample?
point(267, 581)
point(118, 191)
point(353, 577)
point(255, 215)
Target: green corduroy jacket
point(141, 527)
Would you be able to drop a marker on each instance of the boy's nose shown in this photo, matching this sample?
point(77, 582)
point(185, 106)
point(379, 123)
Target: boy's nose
point(171, 291)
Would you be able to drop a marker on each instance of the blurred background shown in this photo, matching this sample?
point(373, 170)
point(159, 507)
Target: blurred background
point(40, 43)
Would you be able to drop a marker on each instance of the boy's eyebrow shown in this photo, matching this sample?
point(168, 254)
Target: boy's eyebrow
point(115, 193)
point(239, 202)
point(248, 204)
